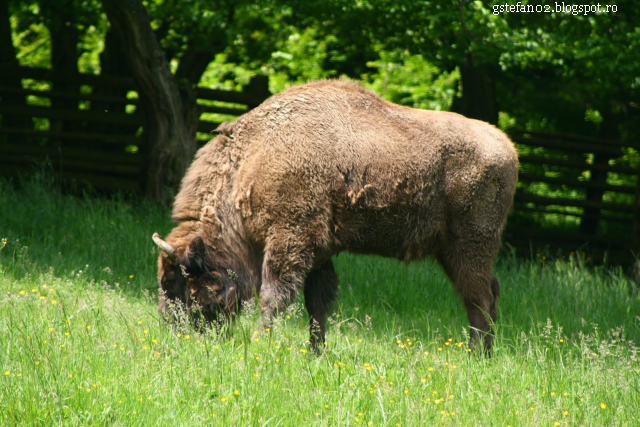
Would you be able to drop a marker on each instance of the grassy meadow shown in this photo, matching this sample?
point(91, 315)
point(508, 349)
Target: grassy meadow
point(81, 342)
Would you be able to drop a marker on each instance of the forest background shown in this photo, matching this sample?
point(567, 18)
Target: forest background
point(570, 71)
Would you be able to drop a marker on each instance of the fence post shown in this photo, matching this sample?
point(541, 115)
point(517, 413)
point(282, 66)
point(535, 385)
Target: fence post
point(258, 87)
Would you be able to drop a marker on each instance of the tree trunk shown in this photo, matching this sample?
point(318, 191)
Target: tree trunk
point(64, 56)
point(9, 62)
point(170, 114)
point(193, 64)
point(478, 91)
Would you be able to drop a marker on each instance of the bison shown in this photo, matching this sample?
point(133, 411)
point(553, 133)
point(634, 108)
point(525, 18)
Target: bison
point(328, 167)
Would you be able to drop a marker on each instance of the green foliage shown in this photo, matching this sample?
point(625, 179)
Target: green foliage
point(299, 59)
point(85, 346)
point(411, 80)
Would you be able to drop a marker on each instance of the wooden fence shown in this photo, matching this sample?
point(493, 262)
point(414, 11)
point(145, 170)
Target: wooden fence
point(93, 133)
point(575, 193)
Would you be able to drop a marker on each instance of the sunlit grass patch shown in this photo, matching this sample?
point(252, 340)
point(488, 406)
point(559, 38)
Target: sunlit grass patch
point(82, 343)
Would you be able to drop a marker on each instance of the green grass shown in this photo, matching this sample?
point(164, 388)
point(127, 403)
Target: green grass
point(81, 342)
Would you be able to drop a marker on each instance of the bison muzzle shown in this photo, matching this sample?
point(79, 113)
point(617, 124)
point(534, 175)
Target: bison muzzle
point(329, 167)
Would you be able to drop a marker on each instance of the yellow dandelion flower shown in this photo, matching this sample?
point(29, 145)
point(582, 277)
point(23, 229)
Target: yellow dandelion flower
point(42, 297)
point(303, 350)
point(7, 373)
point(424, 380)
point(187, 337)
point(430, 368)
point(23, 292)
point(406, 391)
point(34, 290)
point(51, 329)
point(131, 276)
point(565, 413)
point(557, 423)
point(179, 335)
point(224, 399)
point(54, 302)
point(603, 405)
point(326, 406)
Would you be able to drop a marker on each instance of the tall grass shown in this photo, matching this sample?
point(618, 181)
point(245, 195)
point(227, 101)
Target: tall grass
point(81, 342)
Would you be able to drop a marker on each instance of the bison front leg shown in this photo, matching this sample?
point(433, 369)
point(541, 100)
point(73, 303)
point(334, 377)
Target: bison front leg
point(320, 290)
point(284, 270)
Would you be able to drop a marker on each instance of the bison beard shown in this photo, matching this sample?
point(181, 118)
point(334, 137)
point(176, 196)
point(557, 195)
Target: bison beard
point(330, 167)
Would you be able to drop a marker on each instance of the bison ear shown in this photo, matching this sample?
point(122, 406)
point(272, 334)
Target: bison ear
point(196, 256)
point(197, 246)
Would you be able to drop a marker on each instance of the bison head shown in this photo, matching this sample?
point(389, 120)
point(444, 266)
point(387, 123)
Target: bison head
point(191, 277)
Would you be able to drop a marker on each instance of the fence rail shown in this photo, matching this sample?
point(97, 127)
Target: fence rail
point(96, 137)
point(576, 192)
point(573, 192)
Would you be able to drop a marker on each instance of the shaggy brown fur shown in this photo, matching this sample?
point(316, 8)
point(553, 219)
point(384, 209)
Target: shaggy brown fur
point(328, 167)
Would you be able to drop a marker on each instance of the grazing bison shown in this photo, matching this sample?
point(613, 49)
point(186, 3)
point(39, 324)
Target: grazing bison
point(329, 167)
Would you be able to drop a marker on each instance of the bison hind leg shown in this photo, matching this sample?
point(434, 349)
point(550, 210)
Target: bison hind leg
point(473, 279)
point(320, 290)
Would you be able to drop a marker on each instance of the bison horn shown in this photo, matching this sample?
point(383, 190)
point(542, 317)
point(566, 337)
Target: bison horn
point(165, 247)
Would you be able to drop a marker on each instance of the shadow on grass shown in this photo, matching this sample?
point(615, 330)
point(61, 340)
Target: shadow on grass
point(108, 240)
